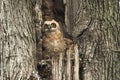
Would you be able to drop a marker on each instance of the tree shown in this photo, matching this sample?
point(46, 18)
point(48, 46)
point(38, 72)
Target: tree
point(93, 24)
point(96, 23)
point(17, 39)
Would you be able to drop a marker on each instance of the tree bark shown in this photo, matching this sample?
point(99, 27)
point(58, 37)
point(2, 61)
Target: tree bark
point(96, 23)
point(17, 39)
point(76, 65)
point(57, 67)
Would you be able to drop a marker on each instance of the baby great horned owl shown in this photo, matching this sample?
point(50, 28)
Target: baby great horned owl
point(53, 41)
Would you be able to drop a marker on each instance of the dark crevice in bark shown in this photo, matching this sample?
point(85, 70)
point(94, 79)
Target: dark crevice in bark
point(59, 10)
point(81, 72)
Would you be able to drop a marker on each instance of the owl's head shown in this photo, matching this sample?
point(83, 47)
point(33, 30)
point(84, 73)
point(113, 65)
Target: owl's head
point(51, 26)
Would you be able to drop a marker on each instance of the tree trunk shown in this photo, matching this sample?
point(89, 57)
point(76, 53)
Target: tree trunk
point(17, 39)
point(96, 23)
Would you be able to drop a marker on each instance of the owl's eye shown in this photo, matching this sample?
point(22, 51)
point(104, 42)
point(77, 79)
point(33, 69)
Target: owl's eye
point(45, 26)
point(53, 25)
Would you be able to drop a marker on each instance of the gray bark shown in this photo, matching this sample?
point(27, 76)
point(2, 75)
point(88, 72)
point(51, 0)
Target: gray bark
point(76, 65)
point(57, 67)
point(97, 22)
point(17, 39)
point(68, 65)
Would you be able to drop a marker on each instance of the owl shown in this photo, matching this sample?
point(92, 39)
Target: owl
point(53, 40)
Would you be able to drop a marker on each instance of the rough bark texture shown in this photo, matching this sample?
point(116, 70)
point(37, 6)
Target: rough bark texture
point(94, 25)
point(17, 39)
point(57, 67)
point(97, 25)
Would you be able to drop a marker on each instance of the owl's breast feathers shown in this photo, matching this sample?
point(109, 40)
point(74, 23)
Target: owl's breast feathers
point(54, 42)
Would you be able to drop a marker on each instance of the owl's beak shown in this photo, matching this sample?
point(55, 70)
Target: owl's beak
point(49, 28)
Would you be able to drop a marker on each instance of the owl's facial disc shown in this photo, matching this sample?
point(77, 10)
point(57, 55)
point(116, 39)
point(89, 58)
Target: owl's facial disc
point(50, 27)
